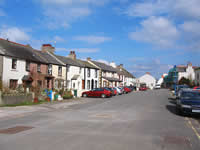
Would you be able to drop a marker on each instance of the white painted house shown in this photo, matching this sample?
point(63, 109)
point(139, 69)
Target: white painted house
point(80, 75)
point(13, 71)
point(186, 71)
point(147, 79)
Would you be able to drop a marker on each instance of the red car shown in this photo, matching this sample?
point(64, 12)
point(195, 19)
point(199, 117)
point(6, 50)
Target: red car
point(142, 88)
point(98, 92)
point(127, 90)
point(196, 88)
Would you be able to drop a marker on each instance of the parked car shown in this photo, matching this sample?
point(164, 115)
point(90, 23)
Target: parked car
point(111, 90)
point(189, 102)
point(196, 88)
point(157, 86)
point(119, 90)
point(143, 88)
point(127, 90)
point(178, 89)
point(98, 92)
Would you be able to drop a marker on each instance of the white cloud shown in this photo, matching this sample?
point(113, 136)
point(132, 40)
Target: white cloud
point(103, 61)
point(178, 8)
point(153, 31)
point(61, 13)
point(58, 39)
point(14, 34)
point(93, 39)
point(79, 50)
point(154, 66)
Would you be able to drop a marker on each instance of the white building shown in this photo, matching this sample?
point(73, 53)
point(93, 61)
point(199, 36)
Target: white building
point(161, 80)
point(81, 75)
point(147, 79)
point(186, 71)
point(197, 76)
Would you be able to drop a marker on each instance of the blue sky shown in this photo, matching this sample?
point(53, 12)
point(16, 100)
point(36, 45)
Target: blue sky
point(144, 35)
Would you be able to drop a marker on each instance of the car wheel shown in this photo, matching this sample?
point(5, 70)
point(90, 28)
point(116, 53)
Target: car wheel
point(103, 96)
point(84, 95)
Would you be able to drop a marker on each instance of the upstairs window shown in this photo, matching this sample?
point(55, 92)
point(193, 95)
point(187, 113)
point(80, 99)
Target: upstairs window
point(88, 72)
point(50, 69)
point(38, 67)
point(28, 66)
point(60, 70)
point(14, 63)
point(95, 73)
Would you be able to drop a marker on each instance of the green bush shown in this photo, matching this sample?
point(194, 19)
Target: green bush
point(67, 96)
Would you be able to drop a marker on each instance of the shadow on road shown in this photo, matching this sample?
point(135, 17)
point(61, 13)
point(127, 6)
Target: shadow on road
point(172, 109)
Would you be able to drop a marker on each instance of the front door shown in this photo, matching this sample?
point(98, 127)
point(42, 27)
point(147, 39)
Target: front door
point(92, 84)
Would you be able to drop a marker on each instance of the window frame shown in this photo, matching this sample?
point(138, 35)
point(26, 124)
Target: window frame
point(59, 70)
point(14, 63)
point(39, 68)
point(28, 63)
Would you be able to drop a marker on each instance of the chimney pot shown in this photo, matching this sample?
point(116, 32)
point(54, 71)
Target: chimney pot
point(89, 59)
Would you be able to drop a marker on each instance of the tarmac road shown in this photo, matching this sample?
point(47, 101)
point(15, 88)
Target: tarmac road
point(139, 120)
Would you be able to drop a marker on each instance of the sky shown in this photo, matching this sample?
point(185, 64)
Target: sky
point(143, 35)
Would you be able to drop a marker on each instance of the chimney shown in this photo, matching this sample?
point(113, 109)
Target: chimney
point(88, 59)
point(72, 55)
point(148, 73)
point(48, 48)
point(121, 66)
point(189, 64)
point(113, 64)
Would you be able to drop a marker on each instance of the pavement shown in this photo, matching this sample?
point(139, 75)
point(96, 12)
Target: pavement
point(139, 120)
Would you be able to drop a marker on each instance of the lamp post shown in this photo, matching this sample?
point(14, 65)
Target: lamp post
point(175, 78)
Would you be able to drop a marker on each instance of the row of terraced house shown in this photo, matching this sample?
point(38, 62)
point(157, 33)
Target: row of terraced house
point(22, 65)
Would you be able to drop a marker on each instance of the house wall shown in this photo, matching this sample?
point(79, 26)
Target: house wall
point(189, 74)
point(149, 80)
point(92, 77)
point(197, 77)
point(39, 76)
point(75, 84)
point(1, 67)
point(55, 74)
point(9, 73)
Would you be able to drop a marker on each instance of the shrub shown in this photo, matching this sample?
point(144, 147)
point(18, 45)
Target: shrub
point(67, 96)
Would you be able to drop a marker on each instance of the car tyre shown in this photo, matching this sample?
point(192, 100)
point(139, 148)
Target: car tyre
point(84, 95)
point(103, 96)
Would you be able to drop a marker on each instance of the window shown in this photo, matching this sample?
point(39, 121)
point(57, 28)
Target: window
point(27, 66)
point(38, 67)
point(88, 84)
point(13, 84)
point(80, 70)
point(14, 63)
point(88, 72)
point(197, 76)
point(96, 73)
point(95, 84)
point(113, 75)
point(50, 69)
point(60, 70)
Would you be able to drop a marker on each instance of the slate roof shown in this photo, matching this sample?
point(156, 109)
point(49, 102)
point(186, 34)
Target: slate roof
point(87, 64)
point(112, 79)
point(12, 49)
point(124, 72)
point(47, 57)
point(69, 61)
point(105, 67)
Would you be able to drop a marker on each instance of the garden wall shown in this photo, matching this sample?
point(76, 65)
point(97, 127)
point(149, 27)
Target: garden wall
point(15, 99)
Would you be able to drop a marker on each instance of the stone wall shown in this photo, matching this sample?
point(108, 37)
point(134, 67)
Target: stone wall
point(15, 99)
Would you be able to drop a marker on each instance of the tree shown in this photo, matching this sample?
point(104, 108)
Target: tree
point(183, 81)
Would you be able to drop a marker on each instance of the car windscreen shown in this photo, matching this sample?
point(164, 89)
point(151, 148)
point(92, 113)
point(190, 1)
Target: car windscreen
point(190, 95)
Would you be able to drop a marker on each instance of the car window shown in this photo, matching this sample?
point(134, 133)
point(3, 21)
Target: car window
point(190, 95)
